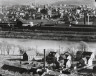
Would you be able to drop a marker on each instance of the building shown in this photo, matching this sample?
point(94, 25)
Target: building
point(25, 57)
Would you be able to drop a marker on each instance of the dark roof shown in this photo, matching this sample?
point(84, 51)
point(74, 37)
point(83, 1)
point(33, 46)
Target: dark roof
point(79, 53)
point(87, 53)
point(53, 52)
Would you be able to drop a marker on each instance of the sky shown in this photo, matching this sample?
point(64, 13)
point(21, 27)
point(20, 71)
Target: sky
point(92, 2)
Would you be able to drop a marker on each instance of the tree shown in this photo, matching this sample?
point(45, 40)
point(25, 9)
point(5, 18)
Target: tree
point(8, 48)
point(44, 11)
point(18, 23)
point(83, 46)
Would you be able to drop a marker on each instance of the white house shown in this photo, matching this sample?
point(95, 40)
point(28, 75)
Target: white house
point(90, 61)
point(31, 54)
point(90, 57)
point(68, 64)
point(31, 24)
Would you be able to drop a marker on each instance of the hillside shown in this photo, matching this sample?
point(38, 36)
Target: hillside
point(80, 2)
point(76, 2)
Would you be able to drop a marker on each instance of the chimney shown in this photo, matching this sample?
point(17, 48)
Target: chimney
point(44, 59)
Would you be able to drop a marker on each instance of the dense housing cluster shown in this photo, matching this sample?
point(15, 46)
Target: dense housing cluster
point(67, 12)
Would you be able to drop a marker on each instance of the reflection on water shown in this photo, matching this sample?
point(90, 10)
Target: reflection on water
point(46, 44)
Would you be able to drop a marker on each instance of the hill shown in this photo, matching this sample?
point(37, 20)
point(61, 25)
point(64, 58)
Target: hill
point(76, 2)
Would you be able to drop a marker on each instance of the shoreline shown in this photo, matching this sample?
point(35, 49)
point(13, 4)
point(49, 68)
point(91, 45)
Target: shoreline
point(49, 35)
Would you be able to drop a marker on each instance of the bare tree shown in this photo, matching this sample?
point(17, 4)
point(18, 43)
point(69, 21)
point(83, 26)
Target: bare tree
point(8, 47)
point(83, 46)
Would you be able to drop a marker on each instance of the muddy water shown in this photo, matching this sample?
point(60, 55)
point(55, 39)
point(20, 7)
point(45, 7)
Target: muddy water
point(47, 44)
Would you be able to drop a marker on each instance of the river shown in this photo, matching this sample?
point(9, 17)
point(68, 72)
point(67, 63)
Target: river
point(48, 44)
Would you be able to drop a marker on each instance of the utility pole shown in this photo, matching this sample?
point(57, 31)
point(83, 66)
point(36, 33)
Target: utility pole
point(44, 59)
point(59, 49)
point(85, 14)
point(36, 51)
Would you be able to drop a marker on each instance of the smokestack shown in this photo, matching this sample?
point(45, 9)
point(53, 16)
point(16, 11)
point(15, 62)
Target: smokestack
point(44, 59)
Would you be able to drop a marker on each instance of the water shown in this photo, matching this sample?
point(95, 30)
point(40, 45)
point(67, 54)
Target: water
point(47, 44)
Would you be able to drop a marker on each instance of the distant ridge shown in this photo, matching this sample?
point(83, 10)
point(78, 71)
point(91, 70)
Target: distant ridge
point(8, 2)
point(55, 2)
point(71, 2)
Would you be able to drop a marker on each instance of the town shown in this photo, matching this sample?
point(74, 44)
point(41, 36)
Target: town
point(47, 40)
point(72, 13)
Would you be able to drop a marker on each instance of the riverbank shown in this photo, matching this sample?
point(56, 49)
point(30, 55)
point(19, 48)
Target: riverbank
point(50, 35)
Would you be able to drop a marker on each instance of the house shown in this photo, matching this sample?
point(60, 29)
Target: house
point(90, 61)
point(66, 58)
point(51, 57)
point(78, 55)
point(31, 54)
point(69, 62)
point(25, 57)
point(88, 58)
